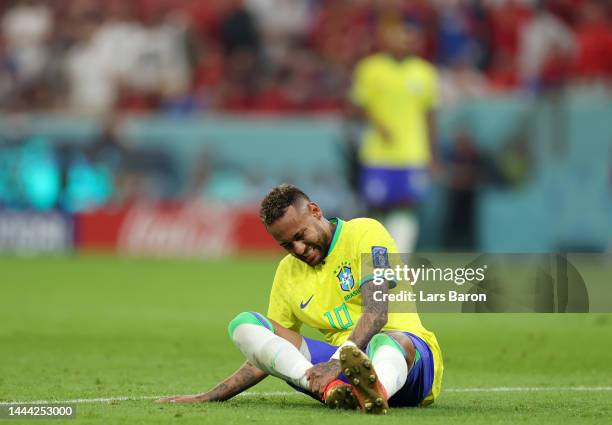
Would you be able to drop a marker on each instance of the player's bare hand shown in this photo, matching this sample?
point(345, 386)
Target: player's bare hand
point(322, 374)
point(183, 399)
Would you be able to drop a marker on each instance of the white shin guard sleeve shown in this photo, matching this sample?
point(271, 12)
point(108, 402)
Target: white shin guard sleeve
point(391, 368)
point(272, 354)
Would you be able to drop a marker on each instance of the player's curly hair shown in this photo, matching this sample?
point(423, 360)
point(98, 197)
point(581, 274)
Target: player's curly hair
point(276, 202)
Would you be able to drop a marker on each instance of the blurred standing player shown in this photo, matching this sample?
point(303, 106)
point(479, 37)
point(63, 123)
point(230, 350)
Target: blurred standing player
point(326, 283)
point(396, 93)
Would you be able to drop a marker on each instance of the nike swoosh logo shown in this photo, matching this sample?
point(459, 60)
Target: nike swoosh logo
point(304, 304)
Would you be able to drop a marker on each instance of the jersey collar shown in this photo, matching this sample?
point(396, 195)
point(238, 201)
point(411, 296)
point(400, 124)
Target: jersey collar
point(401, 61)
point(338, 222)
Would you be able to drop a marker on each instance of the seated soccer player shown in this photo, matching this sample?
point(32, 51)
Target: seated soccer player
point(370, 358)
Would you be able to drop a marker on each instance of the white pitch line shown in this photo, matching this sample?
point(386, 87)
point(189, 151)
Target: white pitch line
point(295, 393)
point(83, 400)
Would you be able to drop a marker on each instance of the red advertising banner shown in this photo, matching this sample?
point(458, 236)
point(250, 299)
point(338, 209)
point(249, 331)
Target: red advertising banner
point(190, 229)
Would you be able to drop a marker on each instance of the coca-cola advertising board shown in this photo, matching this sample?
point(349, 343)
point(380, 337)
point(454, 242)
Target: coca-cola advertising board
point(176, 229)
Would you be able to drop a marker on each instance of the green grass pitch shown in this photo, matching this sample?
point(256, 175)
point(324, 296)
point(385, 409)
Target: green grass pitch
point(86, 327)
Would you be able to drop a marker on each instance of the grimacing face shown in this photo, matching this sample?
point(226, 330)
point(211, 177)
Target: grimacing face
point(303, 232)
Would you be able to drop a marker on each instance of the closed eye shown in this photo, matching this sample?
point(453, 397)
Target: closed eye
point(297, 237)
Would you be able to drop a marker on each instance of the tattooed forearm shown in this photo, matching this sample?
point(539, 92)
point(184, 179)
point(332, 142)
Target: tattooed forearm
point(244, 378)
point(374, 315)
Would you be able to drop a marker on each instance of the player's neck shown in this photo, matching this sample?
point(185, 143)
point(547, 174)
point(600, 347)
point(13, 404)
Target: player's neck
point(399, 57)
point(332, 229)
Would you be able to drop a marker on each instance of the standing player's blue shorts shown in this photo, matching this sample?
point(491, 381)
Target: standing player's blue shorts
point(391, 187)
point(420, 377)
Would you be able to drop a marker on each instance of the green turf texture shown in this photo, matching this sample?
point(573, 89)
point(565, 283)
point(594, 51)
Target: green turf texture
point(100, 326)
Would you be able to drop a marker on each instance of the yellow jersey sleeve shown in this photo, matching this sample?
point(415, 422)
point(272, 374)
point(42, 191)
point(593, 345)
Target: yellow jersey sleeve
point(374, 245)
point(279, 309)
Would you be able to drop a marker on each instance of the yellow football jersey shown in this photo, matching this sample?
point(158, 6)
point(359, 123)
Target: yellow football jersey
point(398, 94)
point(327, 297)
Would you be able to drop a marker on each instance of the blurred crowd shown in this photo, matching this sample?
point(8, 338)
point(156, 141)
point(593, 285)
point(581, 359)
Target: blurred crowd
point(183, 56)
point(75, 173)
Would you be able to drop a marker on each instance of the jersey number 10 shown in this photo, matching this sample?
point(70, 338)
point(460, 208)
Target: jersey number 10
point(340, 322)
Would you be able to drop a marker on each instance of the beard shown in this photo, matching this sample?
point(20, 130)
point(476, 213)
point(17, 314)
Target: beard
point(317, 250)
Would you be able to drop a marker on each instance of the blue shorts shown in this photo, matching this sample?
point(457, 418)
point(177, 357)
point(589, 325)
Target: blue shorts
point(393, 187)
point(417, 386)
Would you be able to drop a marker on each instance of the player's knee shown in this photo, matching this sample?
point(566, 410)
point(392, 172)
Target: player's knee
point(377, 340)
point(380, 340)
point(248, 317)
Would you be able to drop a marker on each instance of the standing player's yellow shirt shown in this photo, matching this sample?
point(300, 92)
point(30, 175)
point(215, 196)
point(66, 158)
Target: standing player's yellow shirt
point(327, 296)
point(398, 95)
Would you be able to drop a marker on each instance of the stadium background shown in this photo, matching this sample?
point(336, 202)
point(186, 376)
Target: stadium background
point(152, 128)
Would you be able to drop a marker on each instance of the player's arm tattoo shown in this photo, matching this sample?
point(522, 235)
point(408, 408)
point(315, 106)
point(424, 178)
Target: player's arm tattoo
point(244, 378)
point(374, 315)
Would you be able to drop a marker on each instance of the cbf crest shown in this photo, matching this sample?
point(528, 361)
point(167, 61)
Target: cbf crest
point(345, 276)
